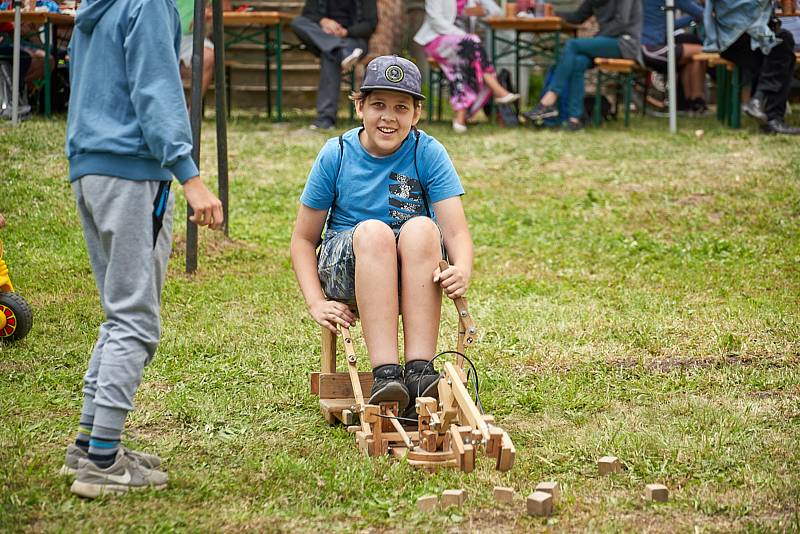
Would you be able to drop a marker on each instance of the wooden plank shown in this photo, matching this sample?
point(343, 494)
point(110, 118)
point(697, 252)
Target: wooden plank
point(505, 459)
point(328, 362)
point(438, 456)
point(338, 385)
point(465, 402)
point(468, 465)
point(332, 408)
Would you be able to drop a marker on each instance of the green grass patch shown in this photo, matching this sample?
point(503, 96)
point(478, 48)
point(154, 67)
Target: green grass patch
point(636, 295)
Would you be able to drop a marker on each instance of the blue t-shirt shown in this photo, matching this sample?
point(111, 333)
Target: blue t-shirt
point(387, 189)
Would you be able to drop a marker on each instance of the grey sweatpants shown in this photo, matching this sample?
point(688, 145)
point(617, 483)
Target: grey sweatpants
point(117, 220)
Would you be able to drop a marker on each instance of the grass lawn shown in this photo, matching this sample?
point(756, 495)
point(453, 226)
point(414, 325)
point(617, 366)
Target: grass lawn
point(636, 294)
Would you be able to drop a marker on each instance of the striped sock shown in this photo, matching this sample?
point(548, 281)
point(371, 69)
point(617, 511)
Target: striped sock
point(85, 423)
point(106, 435)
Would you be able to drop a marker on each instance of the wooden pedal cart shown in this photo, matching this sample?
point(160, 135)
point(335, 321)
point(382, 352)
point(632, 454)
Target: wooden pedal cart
point(451, 431)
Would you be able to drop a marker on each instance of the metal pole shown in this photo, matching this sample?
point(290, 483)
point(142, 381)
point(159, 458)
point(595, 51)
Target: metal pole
point(669, 7)
point(198, 37)
point(15, 63)
point(221, 114)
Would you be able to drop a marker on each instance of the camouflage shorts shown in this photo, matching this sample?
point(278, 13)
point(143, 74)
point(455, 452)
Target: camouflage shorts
point(336, 264)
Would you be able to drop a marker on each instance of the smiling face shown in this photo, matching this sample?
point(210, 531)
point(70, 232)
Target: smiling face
point(388, 117)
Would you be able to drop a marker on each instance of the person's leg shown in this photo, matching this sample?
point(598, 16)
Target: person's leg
point(585, 50)
point(376, 289)
point(130, 294)
point(419, 251)
point(775, 80)
point(208, 67)
point(330, 79)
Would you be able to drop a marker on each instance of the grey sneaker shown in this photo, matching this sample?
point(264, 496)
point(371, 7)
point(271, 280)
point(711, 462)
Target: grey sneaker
point(75, 454)
point(125, 474)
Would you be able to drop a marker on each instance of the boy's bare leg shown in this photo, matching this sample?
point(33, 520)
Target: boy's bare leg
point(419, 251)
point(376, 290)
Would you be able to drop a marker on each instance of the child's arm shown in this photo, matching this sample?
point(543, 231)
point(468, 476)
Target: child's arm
point(458, 242)
point(305, 236)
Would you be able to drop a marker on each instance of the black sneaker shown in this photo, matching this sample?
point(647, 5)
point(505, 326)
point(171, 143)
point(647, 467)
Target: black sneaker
point(698, 106)
point(777, 126)
point(388, 386)
point(320, 124)
point(422, 380)
point(541, 112)
point(573, 126)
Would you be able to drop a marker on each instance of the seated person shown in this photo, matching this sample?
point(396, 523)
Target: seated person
point(338, 32)
point(391, 198)
point(747, 34)
point(620, 24)
point(461, 57)
point(654, 48)
point(186, 12)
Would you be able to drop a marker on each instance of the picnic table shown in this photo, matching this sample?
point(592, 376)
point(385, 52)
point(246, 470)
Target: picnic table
point(249, 27)
point(51, 23)
point(546, 32)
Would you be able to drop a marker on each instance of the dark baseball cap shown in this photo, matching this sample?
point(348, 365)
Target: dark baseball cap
point(393, 73)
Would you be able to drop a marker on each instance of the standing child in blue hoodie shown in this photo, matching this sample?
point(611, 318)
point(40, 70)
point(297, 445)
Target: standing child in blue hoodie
point(127, 135)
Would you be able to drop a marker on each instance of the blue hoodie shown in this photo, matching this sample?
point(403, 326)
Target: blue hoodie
point(127, 115)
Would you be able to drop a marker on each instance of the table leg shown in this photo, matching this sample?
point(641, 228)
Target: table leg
point(494, 64)
point(597, 97)
point(735, 100)
point(626, 101)
point(48, 83)
point(267, 71)
point(279, 69)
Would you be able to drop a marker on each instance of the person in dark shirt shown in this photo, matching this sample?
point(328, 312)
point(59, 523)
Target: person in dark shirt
point(337, 31)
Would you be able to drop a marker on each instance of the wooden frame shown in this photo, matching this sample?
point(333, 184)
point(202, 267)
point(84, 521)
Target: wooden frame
point(450, 431)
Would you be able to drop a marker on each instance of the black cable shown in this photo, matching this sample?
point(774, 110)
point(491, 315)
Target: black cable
point(397, 417)
point(473, 369)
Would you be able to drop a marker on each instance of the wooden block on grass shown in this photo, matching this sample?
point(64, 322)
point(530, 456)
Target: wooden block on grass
point(540, 503)
point(656, 492)
point(503, 494)
point(427, 503)
point(552, 488)
point(453, 497)
point(608, 465)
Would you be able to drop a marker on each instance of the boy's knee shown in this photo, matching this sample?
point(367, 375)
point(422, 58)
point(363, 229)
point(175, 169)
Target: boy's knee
point(419, 235)
point(373, 236)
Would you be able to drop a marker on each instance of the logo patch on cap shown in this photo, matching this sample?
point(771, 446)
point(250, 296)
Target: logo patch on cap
point(394, 74)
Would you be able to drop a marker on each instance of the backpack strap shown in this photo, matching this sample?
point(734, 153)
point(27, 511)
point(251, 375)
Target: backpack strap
point(335, 178)
point(419, 178)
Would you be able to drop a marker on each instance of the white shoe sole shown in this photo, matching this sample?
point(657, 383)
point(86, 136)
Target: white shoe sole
point(508, 99)
point(67, 471)
point(92, 491)
point(352, 59)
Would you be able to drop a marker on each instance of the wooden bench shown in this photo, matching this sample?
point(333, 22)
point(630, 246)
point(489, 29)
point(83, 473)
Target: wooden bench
point(615, 68)
point(729, 88)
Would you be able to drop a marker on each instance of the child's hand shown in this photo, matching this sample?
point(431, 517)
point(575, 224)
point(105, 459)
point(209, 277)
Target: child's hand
point(330, 313)
point(453, 281)
point(205, 204)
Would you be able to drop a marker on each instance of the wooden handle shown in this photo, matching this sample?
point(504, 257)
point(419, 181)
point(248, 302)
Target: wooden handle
point(443, 265)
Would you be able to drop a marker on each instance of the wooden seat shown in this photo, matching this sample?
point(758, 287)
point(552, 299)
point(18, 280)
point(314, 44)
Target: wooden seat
point(616, 68)
point(729, 87)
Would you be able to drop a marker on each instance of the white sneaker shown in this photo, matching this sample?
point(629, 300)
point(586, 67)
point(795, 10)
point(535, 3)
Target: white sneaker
point(350, 61)
point(509, 98)
point(459, 128)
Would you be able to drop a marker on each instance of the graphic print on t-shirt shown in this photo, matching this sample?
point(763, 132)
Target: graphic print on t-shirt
point(405, 198)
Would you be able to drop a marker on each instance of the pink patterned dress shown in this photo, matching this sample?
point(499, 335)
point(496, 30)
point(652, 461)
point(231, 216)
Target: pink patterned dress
point(464, 62)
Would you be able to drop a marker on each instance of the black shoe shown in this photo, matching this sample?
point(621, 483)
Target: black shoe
point(573, 126)
point(321, 124)
point(697, 106)
point(421, 380)
point(777, 126)
point(388, 386)
point(755, 108)
point(541, 112)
